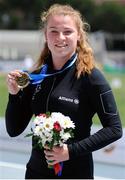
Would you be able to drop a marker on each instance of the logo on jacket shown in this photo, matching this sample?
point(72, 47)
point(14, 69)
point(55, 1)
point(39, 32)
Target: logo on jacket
point(75, 101)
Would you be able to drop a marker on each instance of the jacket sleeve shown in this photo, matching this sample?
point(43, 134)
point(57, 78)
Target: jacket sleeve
point(18, 112)
point(103, 103)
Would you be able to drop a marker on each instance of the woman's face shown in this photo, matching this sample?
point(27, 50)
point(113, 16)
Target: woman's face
point(61, 36)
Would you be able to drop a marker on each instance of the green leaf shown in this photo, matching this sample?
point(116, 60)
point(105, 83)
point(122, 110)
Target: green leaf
point(28, 135)
point(48, 113)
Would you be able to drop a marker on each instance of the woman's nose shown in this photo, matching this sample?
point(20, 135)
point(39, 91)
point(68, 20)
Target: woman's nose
point(61, 36)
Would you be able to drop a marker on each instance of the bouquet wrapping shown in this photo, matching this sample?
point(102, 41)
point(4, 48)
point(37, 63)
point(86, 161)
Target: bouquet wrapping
point(52, 130)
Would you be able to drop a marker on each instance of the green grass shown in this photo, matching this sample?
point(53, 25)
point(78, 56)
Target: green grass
point(3, 94)
point(118, 93)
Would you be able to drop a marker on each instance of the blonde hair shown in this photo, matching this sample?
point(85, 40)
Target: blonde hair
point(85, 60)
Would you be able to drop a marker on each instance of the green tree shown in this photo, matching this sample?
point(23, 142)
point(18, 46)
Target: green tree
point(110, 17)
point(25, 14)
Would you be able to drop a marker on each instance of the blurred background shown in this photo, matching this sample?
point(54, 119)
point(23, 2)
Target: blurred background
point(21, 40)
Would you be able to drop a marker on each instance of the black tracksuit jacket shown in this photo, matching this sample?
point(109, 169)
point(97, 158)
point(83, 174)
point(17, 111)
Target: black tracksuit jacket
point(78, 98)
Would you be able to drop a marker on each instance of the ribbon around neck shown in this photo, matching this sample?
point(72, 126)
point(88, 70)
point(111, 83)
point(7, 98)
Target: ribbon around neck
point(38, 78)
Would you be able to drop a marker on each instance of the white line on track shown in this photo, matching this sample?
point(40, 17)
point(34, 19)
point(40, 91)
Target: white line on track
point(21, 166)
point(12, 165)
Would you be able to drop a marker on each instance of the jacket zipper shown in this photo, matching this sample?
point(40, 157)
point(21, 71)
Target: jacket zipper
point(47, 101)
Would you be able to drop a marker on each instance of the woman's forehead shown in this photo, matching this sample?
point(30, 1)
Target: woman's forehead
point(61, 19)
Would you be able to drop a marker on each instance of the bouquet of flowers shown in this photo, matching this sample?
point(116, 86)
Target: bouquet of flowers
point(52, 130)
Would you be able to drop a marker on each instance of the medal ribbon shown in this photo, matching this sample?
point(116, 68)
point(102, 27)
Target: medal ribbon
point(38, 78)
point(58, 168)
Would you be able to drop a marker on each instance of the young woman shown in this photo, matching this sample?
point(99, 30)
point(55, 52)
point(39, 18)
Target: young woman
point(75, 88)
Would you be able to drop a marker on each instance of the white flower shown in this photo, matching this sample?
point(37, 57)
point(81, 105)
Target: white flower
point(57, 116)
point(45, 140)
point(67, 123)
point(48, 124)
point(65, 136)
point(52, 129)
point(36, 130)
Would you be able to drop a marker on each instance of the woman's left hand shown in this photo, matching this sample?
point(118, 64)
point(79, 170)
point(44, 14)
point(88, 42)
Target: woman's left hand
point(56, 154)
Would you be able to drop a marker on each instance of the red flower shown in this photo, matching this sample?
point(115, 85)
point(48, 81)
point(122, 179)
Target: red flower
point(57, 126)
point(42, 114)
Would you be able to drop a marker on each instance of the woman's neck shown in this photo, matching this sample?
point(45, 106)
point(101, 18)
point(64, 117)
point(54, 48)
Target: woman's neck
point(58, 62)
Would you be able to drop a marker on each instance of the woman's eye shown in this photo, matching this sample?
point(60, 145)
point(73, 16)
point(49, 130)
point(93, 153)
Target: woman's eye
point(54, 32)
point(67, 32)
point(64, 32)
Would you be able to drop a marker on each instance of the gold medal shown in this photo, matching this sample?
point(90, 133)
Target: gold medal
point(24, 80)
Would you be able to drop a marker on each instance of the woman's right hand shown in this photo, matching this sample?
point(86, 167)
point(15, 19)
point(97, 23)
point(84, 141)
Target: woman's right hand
point(11, 82)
